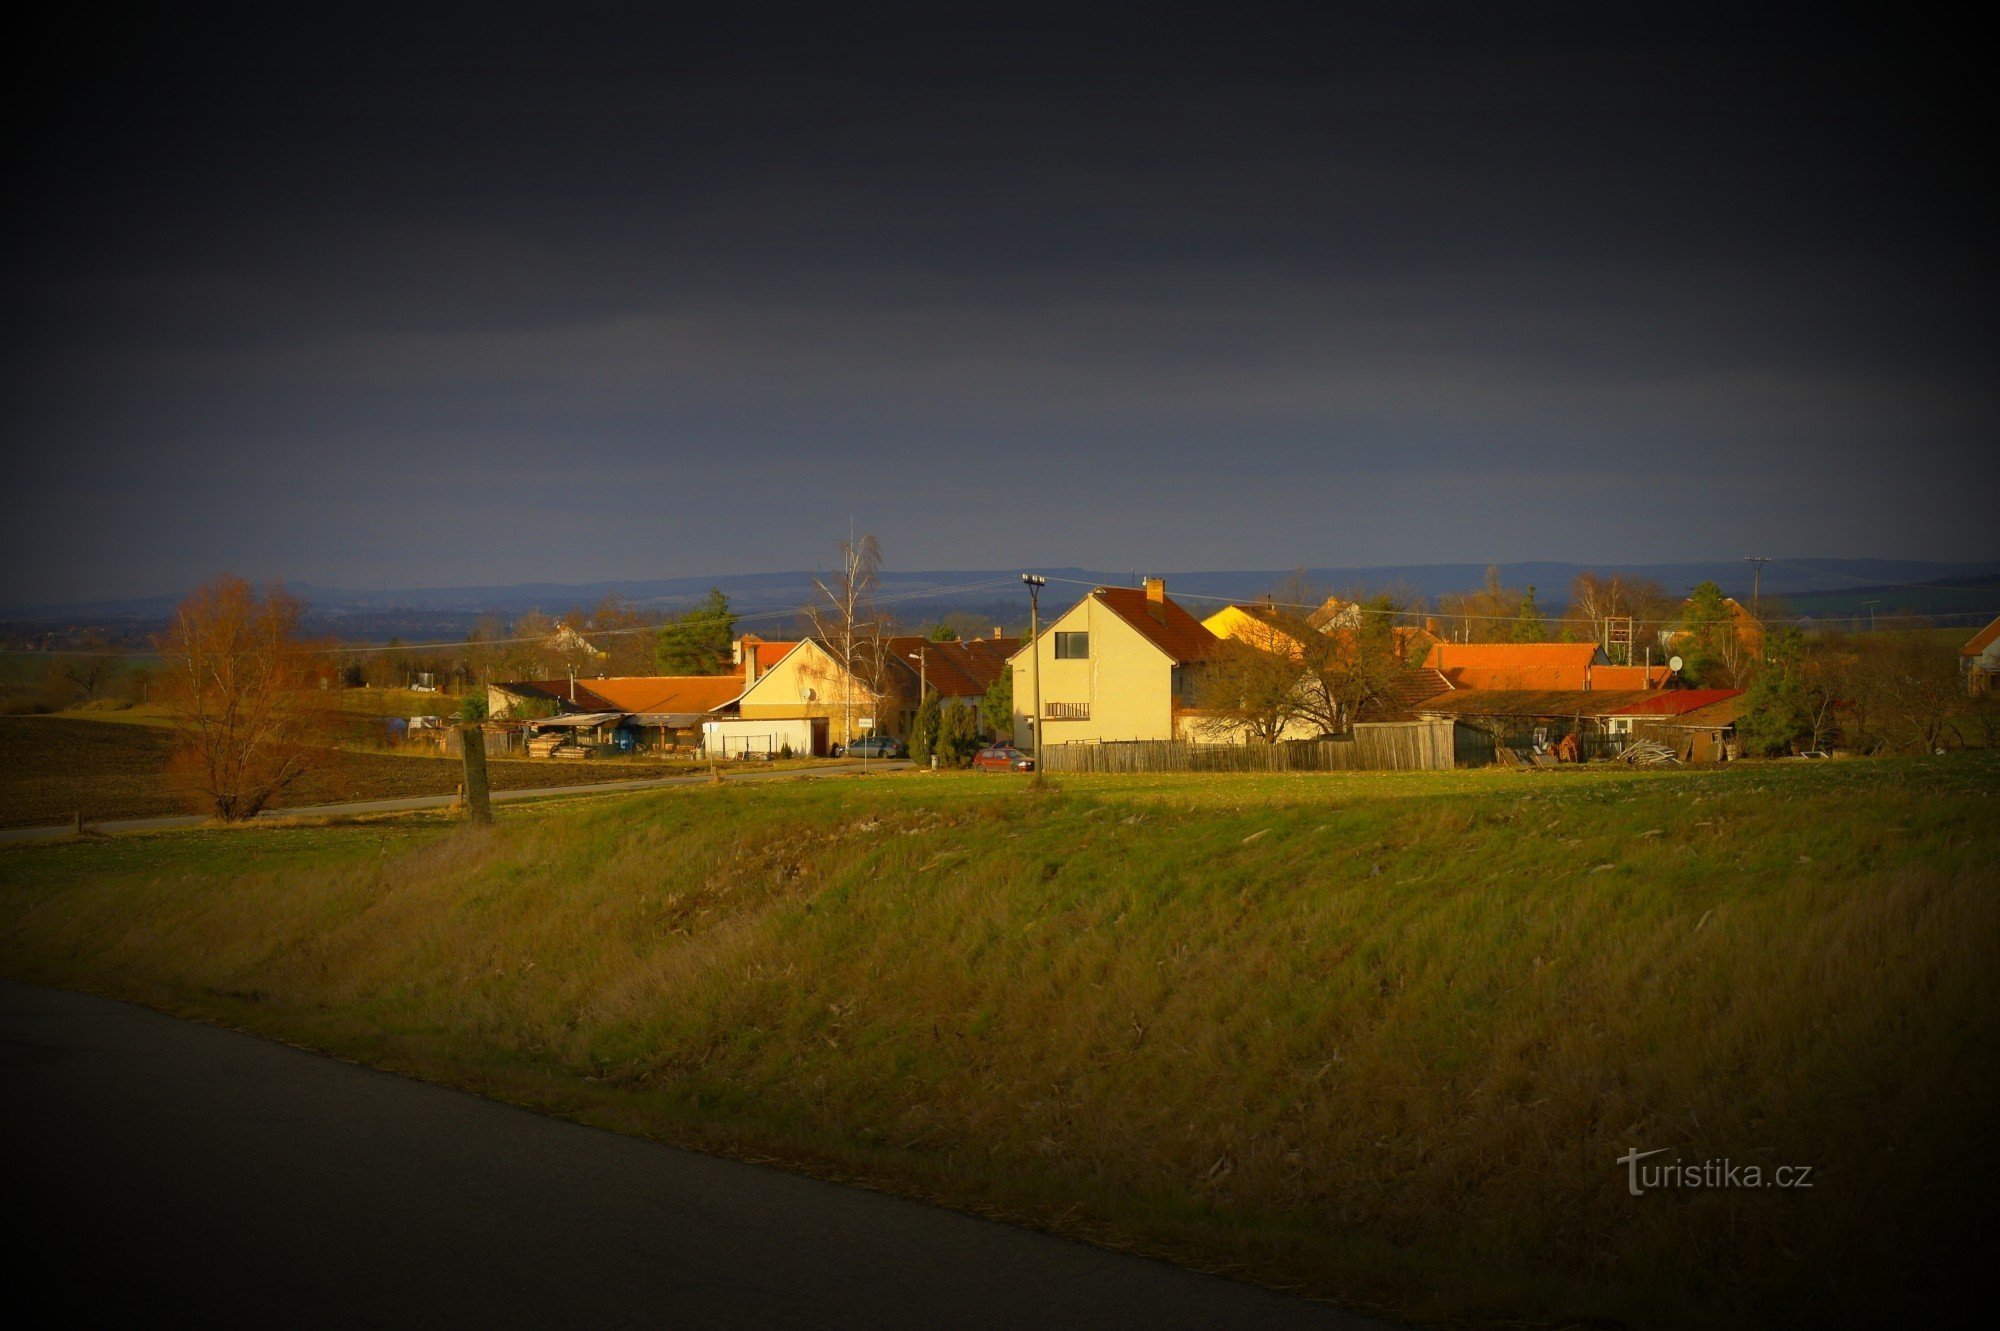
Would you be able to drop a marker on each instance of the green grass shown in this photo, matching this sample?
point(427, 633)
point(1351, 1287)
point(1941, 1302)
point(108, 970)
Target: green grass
point(1379, 1037)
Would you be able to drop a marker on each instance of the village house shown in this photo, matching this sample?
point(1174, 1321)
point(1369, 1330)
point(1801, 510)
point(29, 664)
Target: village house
point(1595, 720)
point(1122, 663)
point(804, 697)
point(1980, 660)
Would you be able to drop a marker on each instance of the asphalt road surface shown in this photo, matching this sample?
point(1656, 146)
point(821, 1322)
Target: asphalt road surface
point(407, 803)
point(170, 1173)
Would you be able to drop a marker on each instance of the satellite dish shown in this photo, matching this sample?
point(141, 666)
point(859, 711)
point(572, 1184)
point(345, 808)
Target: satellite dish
point(1674, 663)
point(807, 695)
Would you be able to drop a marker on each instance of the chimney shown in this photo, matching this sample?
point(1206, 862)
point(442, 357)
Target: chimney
point(746, 656)
point(1430, 626)
point(1156, 598)
point(996, 633)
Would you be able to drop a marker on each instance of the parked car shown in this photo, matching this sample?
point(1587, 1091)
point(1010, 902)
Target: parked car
point(873, 746)
point(1002, 758)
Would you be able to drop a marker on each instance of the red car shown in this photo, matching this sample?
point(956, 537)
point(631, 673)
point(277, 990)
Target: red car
point(1002, 758)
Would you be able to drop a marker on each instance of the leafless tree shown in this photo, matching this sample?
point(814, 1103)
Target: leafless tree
point(844, 619)
point(242, 692)
point(94, 665)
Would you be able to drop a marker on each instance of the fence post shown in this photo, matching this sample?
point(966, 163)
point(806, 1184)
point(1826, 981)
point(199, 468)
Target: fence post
point(472, 745)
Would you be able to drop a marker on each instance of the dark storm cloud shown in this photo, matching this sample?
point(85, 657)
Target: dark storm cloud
point(1243, 288)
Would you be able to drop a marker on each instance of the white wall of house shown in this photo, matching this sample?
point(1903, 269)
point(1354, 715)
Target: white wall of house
point(758, 738)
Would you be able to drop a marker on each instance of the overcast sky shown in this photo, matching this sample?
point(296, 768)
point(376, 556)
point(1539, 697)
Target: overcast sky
point(350, 297)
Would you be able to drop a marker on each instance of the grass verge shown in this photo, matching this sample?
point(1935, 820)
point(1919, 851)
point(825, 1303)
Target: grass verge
point(1377, 1037)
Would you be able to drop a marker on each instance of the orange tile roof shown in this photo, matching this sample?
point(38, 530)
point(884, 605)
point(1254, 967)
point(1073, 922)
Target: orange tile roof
point(1181, 636)
point(1629, 677)
point(639, 693)
point(1981, 640)
point(770, 653)
point(1543, 666)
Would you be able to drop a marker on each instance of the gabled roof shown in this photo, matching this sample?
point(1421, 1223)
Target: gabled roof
point(770, 653)
point(1981, 640)
point(1717, 715)
point(1403, 693)
point(1181, 636)
point(558, 691)
point(1544, 666)
point(961, 669)
point(636, 693)
point(669, 693)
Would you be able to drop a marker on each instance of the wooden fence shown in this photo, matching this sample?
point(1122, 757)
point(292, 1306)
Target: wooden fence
point(1382, 746)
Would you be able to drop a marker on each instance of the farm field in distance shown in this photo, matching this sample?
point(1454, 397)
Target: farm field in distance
point(1380, 1037)
point(54, 766)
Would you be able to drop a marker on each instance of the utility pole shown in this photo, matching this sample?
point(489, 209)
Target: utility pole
point(1871, 613)
point(1756, 563)
point(1035, 583)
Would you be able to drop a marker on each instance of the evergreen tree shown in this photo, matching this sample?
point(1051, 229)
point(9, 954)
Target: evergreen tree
point(1779, 707)
point(997, 708)
point(958, 736)
point(1528, 625)
point(924, 729)
point(697, 643)
point(1706, 642)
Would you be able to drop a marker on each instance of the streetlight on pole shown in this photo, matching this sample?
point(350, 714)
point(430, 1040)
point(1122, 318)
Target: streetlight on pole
point(1036, 582)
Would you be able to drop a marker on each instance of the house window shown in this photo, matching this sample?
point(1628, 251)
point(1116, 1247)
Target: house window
point(1072, 646)
point(1066, 711)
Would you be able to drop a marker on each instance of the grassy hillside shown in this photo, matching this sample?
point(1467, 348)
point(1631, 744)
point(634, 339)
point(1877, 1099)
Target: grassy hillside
point(1380, 1037)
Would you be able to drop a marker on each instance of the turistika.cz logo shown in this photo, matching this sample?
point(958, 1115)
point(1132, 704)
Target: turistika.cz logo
point(1724, 1173)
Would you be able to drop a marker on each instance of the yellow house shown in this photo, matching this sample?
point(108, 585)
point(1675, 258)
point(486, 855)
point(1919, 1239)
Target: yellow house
point(1258, 625)
point(808, 682)
point(1122, 663)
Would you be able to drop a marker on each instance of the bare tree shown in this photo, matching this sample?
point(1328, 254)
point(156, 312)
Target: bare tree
point(1254, 684)
point(242, 693)
point(94, 666)
point(1910, 690)
point(1595, 601)
point(844, 619)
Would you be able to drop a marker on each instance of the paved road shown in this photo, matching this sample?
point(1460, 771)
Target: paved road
point(179, 1174)
point(411, 802)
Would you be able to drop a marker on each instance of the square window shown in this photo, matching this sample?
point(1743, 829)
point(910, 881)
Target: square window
point(1072, 646)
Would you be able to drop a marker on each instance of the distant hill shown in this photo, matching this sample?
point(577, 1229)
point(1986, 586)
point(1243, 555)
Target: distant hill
point(1819, 587)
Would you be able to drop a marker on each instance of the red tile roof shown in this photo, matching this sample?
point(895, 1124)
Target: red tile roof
point(1677, 702)
point(1981, 640)
point(1181, 636)
point(954, 669)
